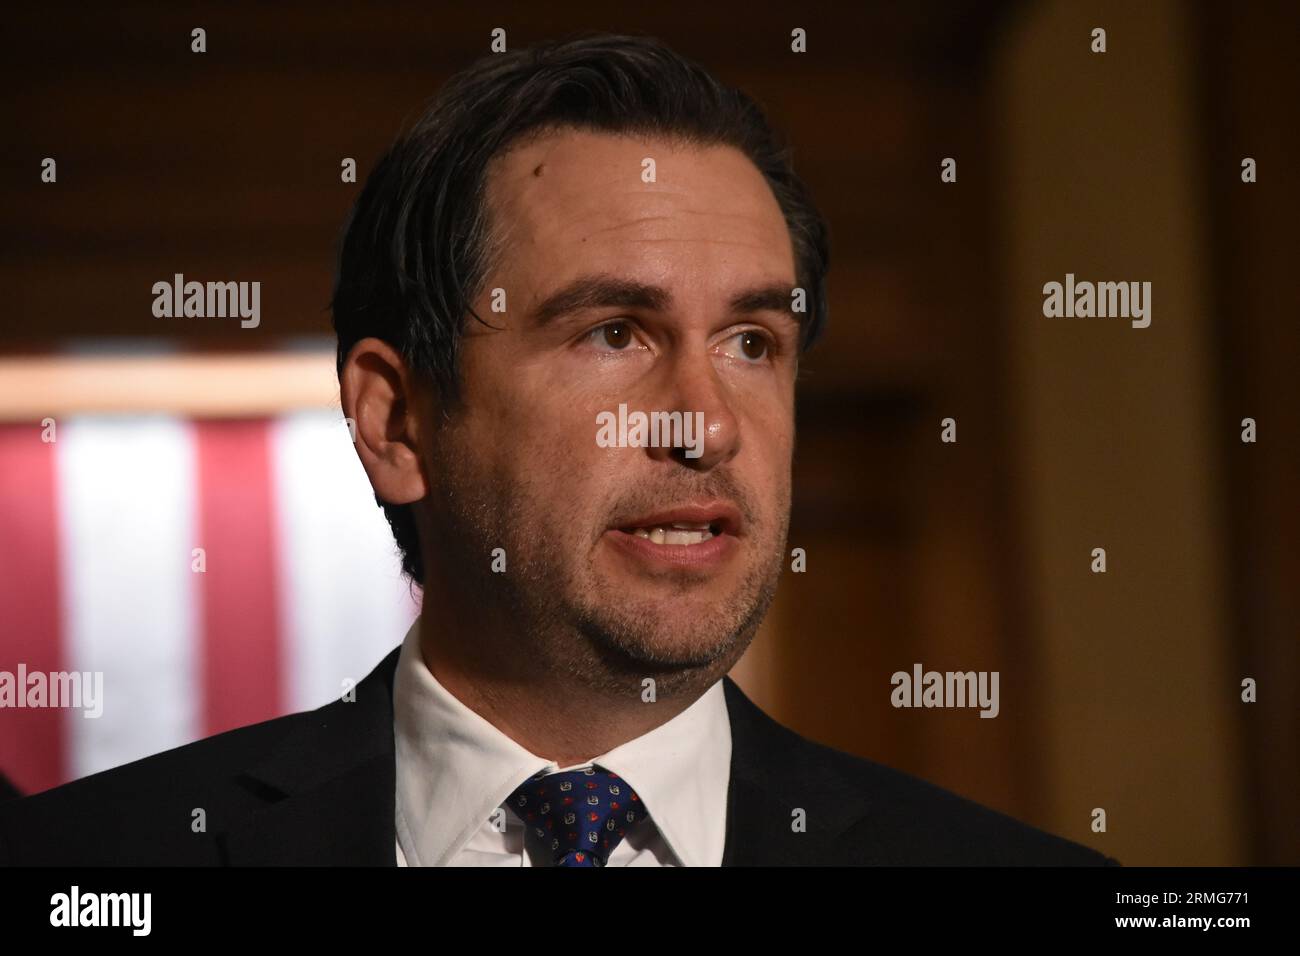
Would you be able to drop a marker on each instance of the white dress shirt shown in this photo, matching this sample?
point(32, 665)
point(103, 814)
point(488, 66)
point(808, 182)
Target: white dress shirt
point(455, 769)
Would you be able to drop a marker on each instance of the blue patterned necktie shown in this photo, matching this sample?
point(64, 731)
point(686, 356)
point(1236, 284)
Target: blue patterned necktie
point(580, 816)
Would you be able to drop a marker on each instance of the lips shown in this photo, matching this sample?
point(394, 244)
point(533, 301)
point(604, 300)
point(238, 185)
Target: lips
point(684, 526)
point(698, 537)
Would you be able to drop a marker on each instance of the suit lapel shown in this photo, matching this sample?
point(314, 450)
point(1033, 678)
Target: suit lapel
point(774, 773)
point(328, 787)
point(329, 797)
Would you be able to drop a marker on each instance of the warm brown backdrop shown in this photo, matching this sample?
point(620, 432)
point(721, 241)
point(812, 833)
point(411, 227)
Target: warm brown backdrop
point(1119, 692)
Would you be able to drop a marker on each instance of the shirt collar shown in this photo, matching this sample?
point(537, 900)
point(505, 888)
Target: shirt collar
point(454, 768)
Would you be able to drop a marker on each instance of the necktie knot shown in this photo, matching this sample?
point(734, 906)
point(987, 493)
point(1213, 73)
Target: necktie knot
point(579, 816)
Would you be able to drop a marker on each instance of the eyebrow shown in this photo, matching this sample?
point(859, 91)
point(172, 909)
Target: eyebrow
point(607, 291)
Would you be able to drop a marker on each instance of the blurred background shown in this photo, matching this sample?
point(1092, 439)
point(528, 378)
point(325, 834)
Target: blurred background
point(1119, 691)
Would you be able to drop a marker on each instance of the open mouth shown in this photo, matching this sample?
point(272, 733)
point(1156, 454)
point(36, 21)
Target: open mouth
point(697, 538)
point(677, 532)
point(685, 526)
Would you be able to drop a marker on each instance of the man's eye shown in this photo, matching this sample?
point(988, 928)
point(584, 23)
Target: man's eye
point(748, 346)
point(612, 337)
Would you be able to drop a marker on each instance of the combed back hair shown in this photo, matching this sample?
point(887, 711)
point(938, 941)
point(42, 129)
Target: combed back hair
point(418, 244)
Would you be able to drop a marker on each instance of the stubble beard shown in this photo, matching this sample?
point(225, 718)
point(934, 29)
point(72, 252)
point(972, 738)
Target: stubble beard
point(558, 610)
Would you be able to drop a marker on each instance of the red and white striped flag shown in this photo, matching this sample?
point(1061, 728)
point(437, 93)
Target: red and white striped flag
point(300, 588)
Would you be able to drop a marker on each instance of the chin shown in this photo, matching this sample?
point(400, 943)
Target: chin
point(670, 644)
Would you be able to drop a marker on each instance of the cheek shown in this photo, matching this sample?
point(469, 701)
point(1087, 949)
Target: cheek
point(537, 433)
point(771, 443)
point(770, 427)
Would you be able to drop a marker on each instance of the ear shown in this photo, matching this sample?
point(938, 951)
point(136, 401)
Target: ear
point(382, 398)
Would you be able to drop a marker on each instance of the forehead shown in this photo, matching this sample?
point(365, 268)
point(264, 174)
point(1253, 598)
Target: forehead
point(572, 201)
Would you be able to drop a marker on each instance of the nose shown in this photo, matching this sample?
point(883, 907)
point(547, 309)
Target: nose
point(710, 427)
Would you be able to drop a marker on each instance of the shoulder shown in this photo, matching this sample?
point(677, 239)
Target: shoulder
point(179, 807)
point(881, 815)
point(155, 810)
point(917, 822)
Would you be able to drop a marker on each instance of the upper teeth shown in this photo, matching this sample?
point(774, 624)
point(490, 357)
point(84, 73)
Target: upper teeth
point(679, 532)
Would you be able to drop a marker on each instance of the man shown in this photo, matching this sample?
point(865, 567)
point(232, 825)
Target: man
point(570, 237)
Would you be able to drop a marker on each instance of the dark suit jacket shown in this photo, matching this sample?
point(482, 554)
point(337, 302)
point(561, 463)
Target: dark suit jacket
point(317, 788)
point(7, 790)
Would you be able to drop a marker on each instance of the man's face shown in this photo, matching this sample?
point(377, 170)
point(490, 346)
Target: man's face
point(625, 561)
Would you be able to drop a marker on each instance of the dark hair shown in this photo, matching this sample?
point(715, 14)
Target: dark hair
point(417, 245)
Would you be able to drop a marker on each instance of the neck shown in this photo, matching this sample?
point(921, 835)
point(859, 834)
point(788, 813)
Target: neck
point(546, 710)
